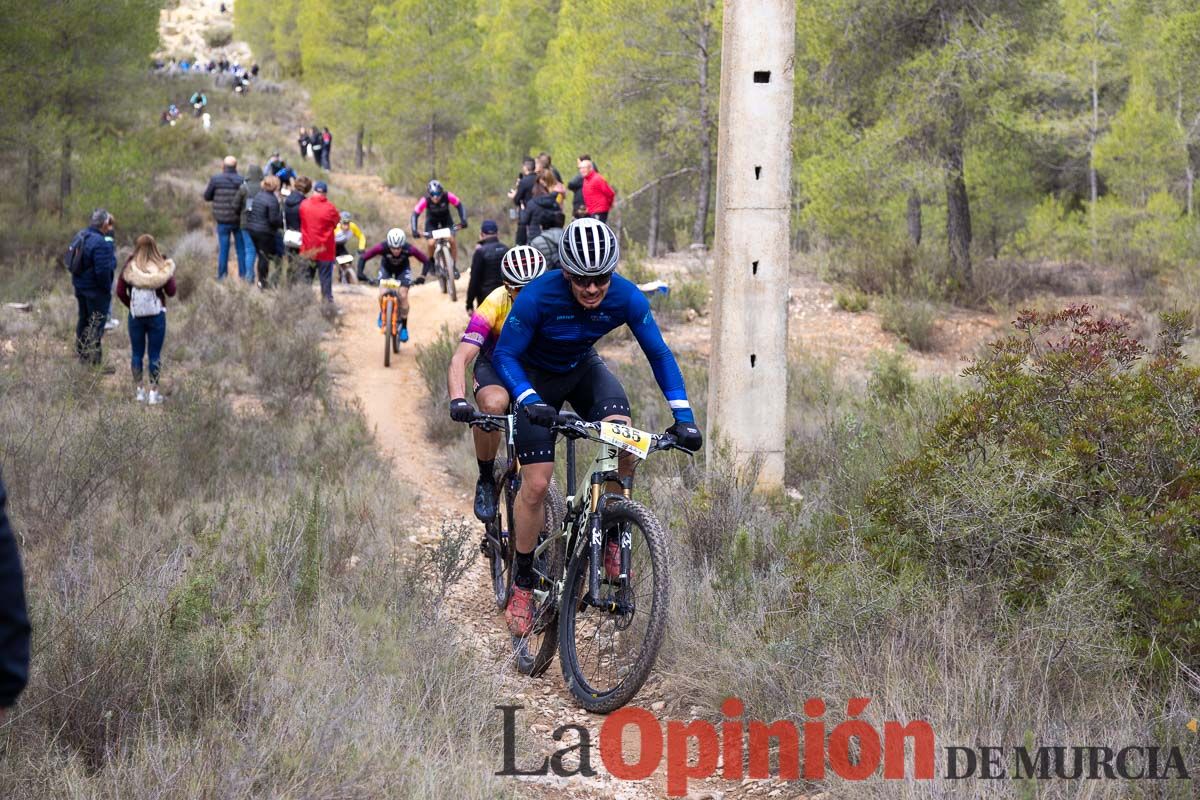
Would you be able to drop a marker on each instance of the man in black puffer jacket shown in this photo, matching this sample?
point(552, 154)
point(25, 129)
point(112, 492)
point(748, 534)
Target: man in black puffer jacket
point(14, 617)
point(227, 192)
point(485, 264)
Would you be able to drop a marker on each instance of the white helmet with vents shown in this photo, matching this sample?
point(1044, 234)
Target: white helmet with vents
point(588, 247)
point(522, 264)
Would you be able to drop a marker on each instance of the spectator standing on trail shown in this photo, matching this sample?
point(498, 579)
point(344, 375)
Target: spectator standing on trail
point(317, 142)
point(327, 140)
point(145, 283)
point(597, 194)
point(302, 141)
point(226, 193)
point(93, 287)
point(542, 163)
point(291, 221)
point(264, 220)
point(14, 616)
point(543, 209)
point(254, 174)
point(318, 220)
point(485, 264)
point(520, 196)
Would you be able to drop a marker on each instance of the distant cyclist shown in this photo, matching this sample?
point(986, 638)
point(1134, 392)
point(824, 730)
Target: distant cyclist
point(347, 228)
point(546, 357)
point(518, 267)
point(394, 253)
point(436, 204)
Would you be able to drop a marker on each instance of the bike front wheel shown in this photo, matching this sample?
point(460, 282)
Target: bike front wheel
point(388, 333)
point(442, 270)
point(608, 644)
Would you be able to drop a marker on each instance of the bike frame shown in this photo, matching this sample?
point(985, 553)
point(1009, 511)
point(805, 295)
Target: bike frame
point(585, 504)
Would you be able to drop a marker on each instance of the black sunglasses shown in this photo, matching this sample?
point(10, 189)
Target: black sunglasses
point(584, 281)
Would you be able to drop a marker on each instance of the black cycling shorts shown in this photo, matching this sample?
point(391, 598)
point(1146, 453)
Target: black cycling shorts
point(593, 392)
point(486, 375)
point(405, 276)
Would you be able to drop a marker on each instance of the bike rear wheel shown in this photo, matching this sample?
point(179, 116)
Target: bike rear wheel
point(606, 655)
point(532, 654)
point(388, 332)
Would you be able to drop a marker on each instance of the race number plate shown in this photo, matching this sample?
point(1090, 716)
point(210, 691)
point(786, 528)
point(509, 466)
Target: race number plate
point(631, 440)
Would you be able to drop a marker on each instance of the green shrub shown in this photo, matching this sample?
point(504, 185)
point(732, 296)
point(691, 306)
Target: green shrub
point(433, 360)
point(891, 379)
point(851, 299)
point(218, 35)
point(909, 318)
point(1069, 464)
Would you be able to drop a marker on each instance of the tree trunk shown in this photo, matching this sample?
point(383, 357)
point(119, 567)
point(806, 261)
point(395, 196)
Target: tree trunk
point(431, 146)
point(1191, 186)
point(704, 185)
point(914, 217)
point(655, 210)
point(1093, 181)
point(958, 206)
point(358, 147)
point(33, 176)
point(64, 177)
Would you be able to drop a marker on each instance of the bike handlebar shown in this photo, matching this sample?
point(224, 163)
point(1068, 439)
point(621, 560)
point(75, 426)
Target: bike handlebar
point(575, 427)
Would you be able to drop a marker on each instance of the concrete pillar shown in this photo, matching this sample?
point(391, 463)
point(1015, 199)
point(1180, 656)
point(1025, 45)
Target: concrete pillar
point(747, 401)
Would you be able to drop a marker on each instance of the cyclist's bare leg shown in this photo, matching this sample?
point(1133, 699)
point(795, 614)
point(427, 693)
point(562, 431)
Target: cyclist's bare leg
point(528, 511)
point(454, 250)
point(492, 400)
point(402, 302)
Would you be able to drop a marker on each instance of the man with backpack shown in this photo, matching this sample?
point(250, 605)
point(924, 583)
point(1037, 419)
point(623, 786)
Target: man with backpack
point(227, 193)
point(92, 260)
point(485, 264)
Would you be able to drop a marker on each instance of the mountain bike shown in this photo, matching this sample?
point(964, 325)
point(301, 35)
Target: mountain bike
point(601, 584)
point(497, 537)
point(389, 306)
point(444, 265)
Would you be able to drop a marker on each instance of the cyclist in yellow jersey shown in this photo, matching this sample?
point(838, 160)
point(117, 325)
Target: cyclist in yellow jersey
point(519, 266)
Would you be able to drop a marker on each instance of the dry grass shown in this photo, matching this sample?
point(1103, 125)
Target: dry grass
point(222, 602)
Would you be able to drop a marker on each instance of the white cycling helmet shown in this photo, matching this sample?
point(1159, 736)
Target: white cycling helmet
point(522, 264)
point(396, 238)
point(588, 247)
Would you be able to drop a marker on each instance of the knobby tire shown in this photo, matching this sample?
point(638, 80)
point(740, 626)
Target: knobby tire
point(602, 699)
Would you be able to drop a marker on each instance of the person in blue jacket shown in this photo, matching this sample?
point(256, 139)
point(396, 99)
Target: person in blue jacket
point(93, 287)
point(546, 357)
point(14, 617)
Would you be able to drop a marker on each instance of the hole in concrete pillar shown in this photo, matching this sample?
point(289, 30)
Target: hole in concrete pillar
point(762, 76)
point(754, 267)
point(757, 172)
point(753, 358)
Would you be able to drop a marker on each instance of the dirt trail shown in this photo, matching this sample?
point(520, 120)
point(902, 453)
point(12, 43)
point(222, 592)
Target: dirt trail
point(393, 401)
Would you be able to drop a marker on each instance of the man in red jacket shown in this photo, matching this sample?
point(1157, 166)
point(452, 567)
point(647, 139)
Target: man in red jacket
point(597, 194)
point(318, 218)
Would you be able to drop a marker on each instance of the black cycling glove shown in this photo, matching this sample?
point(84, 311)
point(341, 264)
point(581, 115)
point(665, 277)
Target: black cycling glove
point(461, 410)
point(541, 414)
point(687, 435)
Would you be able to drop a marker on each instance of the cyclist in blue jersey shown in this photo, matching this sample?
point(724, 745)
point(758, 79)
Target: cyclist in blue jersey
point(546, 357)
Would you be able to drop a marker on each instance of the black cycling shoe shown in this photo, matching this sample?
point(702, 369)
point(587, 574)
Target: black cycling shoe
point(420, 279)
point(485, 546)
point(485, 500)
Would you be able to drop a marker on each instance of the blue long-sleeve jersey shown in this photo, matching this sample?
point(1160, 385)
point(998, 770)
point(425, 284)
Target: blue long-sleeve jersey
point(548, 329)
